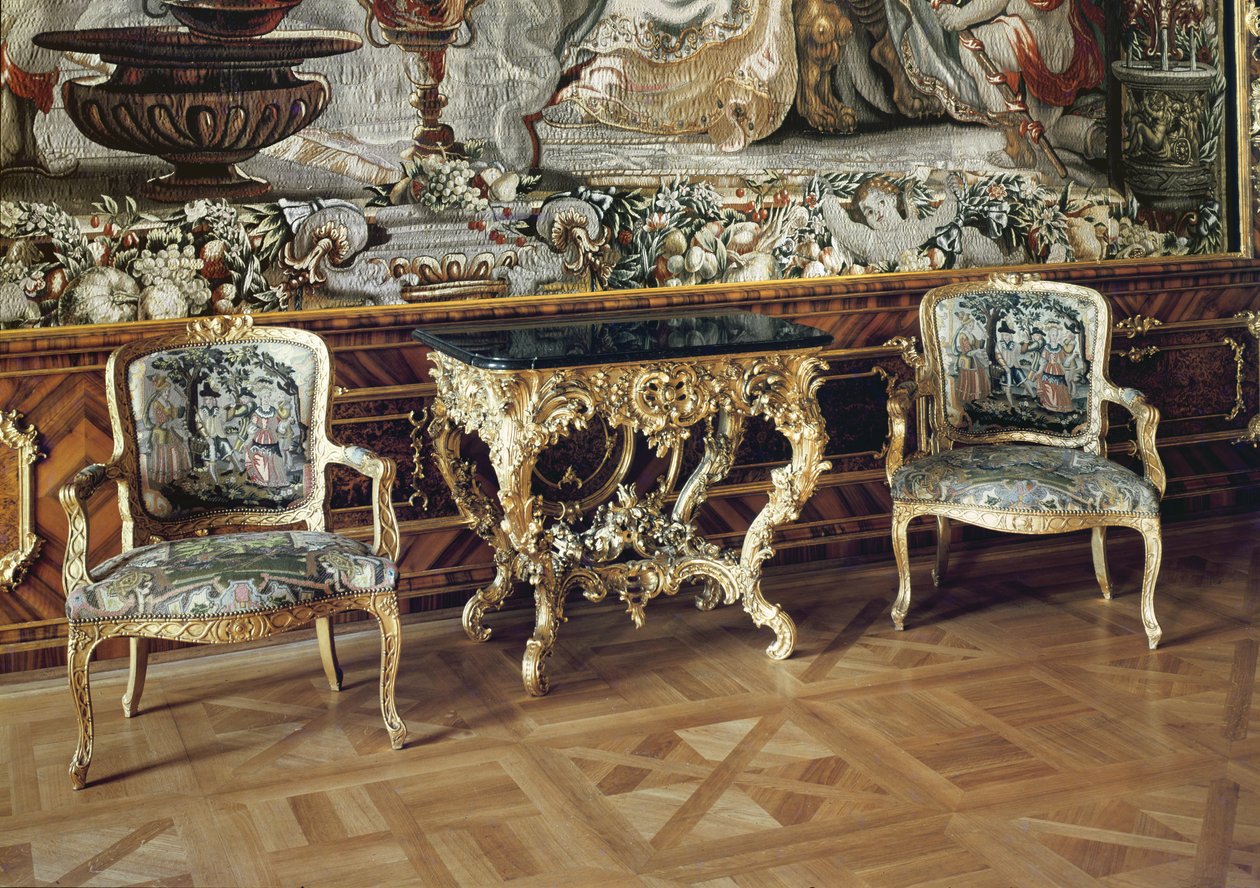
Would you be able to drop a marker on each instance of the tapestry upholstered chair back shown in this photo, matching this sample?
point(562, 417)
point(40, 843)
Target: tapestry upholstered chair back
point(221, 432)
point(220, 451)
point(1017, 363)
point(1009, 403)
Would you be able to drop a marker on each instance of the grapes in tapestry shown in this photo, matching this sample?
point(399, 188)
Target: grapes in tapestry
point(223, 427)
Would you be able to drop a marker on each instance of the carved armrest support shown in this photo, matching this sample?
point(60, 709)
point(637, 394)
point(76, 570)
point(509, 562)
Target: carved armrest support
point(1146, 420)
point(381, 470)
point(74, 496)
point(900, 400)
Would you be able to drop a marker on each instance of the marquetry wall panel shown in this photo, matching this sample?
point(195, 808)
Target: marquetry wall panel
point(1200, 363)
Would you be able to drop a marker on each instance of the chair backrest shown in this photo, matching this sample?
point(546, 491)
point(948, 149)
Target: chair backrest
point(221, 425)
point(1017, 359)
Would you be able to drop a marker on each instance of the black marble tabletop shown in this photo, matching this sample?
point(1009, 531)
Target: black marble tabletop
point(622, 340)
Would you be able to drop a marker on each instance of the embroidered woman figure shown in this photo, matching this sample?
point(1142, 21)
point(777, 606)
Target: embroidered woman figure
point(169, 458)
point(1052, 387)
point(971, 382)
point(266, 466)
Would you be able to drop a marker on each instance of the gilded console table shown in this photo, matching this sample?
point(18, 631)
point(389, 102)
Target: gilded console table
point(521, 389)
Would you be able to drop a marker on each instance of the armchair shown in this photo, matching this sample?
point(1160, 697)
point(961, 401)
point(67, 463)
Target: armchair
point(1011, 426)
point(220, 449)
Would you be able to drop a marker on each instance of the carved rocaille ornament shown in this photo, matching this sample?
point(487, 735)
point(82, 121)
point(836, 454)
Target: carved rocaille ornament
point(633, 546)
point(1252, 320)
point(17, 500)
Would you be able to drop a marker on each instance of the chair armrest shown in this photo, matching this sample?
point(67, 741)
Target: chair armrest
point(900, 399)
point(1146, 419)
point(74, 496)
point(381, 470)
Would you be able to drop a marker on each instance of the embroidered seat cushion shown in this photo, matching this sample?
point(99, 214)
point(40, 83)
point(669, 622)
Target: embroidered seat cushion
point(229, 574)
point(1025, 478)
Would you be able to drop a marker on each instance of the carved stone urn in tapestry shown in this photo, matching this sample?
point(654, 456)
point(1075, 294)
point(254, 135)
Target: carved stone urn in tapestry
point(1173, 98)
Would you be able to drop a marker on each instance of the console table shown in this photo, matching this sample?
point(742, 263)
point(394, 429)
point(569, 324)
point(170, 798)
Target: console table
point(520, 389)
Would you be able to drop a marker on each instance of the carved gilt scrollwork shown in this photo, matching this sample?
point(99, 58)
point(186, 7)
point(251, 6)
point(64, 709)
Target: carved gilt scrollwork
point(1137, 355)
point(909, 347)
point(24, 444)
point(517, 414)
point(1137, 325)
point(220, 328)
point(418, 420)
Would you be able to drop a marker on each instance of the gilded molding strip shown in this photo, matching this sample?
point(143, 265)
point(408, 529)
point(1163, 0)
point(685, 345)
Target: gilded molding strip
point(1252, 22)
point(1239, 364)
point(1252, 320)
point(14, 564)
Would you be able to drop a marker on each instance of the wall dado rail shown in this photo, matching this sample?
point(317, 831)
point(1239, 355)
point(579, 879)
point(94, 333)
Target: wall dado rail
point(1187, 333)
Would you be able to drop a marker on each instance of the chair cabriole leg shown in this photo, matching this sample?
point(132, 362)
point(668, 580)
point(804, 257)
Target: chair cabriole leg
point(900, 524)
point(79, 647)
point(1150, 531)
point(385, 608)
point(942, 550)
point(328, 652)
point(1098, 543)
point(136, 675)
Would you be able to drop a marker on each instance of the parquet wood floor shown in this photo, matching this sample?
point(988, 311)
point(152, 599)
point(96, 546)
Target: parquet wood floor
point(1018, 733)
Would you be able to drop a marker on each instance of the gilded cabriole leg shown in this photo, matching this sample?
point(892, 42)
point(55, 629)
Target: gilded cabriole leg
point(478, 508)
point(1098, 543)
point(79, 646)
point(901, 549)
point(1150, 531)
point(523, 518)
point(720, 445)
point(492, 595)
point(385, 609)
point(942, 550)
point(135, 677)
point(328, 652)
point(795, 414)
point(548, 614)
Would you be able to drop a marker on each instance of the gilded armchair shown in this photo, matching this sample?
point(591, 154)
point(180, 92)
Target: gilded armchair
point(220, 451)
point(1010, 398)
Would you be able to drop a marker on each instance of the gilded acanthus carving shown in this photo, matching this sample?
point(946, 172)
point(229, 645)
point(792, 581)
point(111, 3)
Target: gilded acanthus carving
point(23, 441)
point(630, 547)
point(1138, 325)
point(909, 348)
point(219, 328)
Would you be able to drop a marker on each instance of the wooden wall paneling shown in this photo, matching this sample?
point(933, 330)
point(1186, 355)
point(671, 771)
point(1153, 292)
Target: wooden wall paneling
point(1188, 363)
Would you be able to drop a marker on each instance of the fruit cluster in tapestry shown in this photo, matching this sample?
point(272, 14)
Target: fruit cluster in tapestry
point(223, 427)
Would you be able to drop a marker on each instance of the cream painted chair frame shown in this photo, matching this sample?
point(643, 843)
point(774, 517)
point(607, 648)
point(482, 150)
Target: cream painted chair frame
point(138, 525)
point(926, 392)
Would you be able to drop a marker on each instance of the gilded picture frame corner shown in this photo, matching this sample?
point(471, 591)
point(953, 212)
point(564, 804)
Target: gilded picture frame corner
point(23, 439)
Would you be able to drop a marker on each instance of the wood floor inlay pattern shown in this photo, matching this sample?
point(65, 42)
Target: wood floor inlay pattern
point(1018, 733)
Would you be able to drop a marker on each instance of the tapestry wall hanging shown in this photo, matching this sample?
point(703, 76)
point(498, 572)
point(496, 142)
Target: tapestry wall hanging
point(203, 156)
